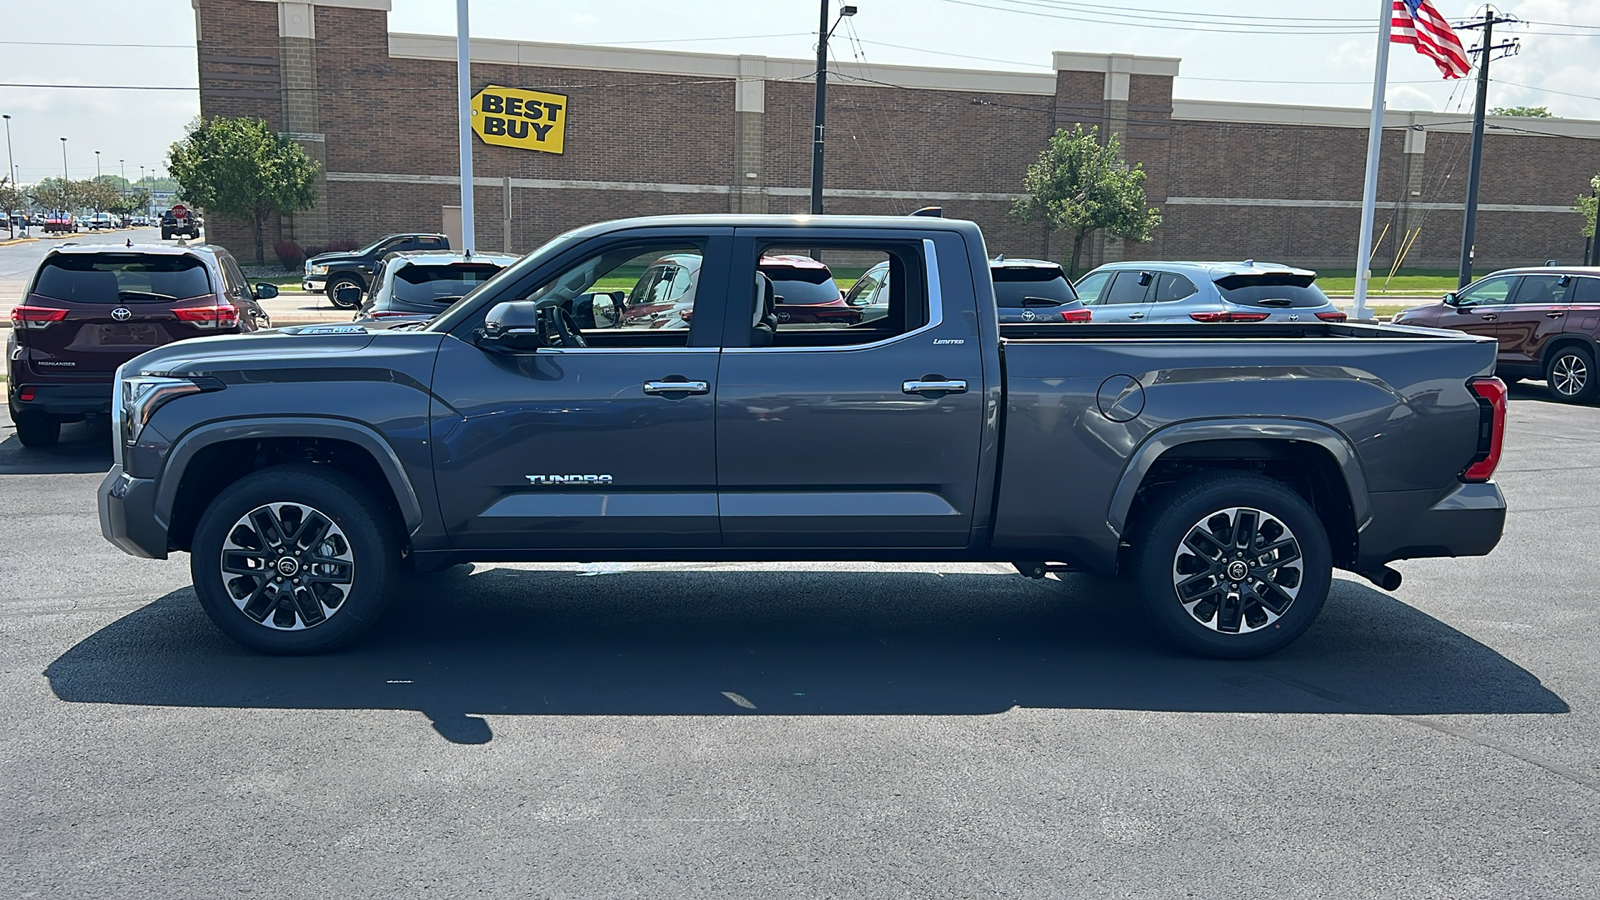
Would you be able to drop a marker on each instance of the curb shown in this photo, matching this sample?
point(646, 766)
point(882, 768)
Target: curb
point(15, 241)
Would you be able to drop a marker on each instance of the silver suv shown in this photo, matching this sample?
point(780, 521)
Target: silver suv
point(1167, 292)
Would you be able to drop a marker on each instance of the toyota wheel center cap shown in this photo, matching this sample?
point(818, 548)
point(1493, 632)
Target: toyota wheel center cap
point(288, 566)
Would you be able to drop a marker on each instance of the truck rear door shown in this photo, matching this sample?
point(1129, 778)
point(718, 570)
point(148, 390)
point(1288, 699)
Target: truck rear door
point(832, 435)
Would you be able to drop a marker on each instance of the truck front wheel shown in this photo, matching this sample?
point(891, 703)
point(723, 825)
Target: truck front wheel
point(295, 559)
point(1232, 566)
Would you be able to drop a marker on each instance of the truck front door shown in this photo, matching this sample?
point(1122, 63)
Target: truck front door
point(612, 446)
point(851, 436)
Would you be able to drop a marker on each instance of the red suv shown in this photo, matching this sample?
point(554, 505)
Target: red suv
point(1546, 320)
point(91, 308)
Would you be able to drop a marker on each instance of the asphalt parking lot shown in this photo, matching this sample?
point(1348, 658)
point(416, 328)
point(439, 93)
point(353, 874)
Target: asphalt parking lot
point(804, 731)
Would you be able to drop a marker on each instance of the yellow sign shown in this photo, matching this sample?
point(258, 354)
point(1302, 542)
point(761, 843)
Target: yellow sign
point(511, 117)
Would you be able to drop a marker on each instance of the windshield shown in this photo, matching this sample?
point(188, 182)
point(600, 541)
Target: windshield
point(440, 284)
point(1275, 290)
point(121, 278)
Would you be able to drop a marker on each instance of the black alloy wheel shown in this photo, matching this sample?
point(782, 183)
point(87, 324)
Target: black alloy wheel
point(339, 281)
point(295, 559)
point(1571, 375)
point(1232, 566)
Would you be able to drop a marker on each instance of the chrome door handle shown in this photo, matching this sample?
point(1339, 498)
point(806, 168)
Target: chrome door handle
point(929, 387)
point(1135, 315)
point(677, 387)
point(1554, 315)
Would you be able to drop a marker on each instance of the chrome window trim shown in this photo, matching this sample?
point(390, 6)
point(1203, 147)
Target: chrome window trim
point(935, 316)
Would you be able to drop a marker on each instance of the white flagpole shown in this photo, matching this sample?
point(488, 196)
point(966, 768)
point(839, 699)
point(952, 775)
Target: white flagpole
point(469, 237)
point(1369, 194)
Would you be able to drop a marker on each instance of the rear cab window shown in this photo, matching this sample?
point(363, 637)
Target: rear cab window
point(121, 278)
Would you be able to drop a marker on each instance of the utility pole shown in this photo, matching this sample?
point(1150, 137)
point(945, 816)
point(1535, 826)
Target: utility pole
point(819, 121)
point(1470, 223)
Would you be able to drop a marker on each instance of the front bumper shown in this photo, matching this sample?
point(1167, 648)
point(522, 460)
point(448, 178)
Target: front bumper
point(127, 515)
point(313, 285)
point(1468, 521)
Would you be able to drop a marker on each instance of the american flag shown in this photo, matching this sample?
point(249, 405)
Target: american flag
point(1416, 22)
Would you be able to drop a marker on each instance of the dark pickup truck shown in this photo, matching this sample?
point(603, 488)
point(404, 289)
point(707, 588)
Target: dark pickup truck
point(1227, 469)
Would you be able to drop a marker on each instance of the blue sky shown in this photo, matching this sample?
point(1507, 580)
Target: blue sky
point(1326, 62)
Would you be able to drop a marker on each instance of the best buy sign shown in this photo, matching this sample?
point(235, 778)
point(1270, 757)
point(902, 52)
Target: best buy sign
point(511, 117)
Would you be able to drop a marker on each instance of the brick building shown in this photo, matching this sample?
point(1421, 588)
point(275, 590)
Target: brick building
point(652, 132)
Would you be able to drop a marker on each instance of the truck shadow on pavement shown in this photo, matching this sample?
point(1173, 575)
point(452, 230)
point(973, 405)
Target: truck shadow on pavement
point(84, 448)
point(503, 641)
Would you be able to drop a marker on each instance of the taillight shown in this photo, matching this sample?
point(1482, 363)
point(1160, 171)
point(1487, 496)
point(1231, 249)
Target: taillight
point(1332, 316)
point(1077, 315)
point(224, 315)
point(26, 395)
point(35, 316)
point(1491, 427)
point(1228, 316)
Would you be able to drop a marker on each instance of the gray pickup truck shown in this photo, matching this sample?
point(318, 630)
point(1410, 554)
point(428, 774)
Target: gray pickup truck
point(592, 403)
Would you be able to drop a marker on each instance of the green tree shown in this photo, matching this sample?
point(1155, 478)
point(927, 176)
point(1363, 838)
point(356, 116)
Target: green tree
point(1081, 186)
point(240, 168)
point(130, 202)
point(1526, 112)
point(1589, 206)
point(57, 194)
point(12, 199)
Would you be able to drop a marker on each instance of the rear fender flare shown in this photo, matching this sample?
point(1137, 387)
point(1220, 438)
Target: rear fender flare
point(1253, 429)
point(184, 449)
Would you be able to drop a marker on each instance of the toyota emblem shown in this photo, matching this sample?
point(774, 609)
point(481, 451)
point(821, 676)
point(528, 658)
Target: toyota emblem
point(122, 314)
point(1029, 315)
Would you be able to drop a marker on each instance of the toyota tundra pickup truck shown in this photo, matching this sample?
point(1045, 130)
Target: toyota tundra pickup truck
point(1226, 470)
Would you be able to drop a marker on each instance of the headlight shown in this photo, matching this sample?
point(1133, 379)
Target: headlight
point(139, 396)
point(316, 270)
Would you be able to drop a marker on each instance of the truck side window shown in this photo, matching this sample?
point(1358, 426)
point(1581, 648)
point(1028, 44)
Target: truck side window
point(838, 295)
point(636, 295)
point(1587, 290)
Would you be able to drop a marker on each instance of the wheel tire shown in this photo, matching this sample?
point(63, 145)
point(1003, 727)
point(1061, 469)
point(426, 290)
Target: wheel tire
point(35, 431)
point(1572, 376)
point(1225, 624)
point(341, 281)
point(369, 565)
point(166, 235)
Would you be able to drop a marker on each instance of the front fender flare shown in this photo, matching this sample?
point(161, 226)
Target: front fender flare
point(192, 442)
point(1252, 429)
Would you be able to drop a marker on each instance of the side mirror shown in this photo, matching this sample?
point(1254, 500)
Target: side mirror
point(347, 294)
point(1451, 299)
point(513, 327)
point(266, 291)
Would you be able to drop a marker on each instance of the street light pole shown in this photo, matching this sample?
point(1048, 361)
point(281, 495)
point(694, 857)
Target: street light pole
point(11, 161)
point(64, 177)
point(819, 121)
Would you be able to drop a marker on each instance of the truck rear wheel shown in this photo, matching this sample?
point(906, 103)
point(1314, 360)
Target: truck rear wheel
point(1232, 566)
point(295, 559)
